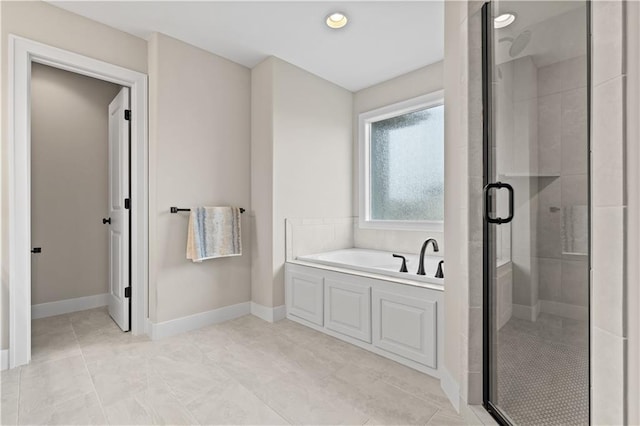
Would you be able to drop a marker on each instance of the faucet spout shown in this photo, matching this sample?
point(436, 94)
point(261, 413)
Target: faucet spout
point(422, 252)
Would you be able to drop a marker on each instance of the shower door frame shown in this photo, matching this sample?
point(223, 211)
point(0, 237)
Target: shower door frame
point(489, 265)
point(487, 259)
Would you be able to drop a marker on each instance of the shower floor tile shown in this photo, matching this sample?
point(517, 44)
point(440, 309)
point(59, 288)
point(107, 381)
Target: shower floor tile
point(543, 371)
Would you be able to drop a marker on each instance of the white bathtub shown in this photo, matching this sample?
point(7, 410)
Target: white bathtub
point(360, 297)
point(378, 262)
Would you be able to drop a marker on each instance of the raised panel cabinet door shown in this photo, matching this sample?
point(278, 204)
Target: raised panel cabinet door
point(118, 213)
point(405, 326)
point(306, 297)
point(347, 309)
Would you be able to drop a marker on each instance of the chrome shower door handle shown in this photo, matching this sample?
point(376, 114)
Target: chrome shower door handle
point(487, 203)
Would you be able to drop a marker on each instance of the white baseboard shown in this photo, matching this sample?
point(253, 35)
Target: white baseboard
point(564, 310)
point(268, 314)
point(50, 309)
point(164, 329)
point(4, 359)
point(529, 313)
point(476, 415)
point(450, 388)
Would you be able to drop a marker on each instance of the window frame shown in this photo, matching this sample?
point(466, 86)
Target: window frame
point(365, 119)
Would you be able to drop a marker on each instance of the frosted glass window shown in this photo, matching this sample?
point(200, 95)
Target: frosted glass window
point(407, 166)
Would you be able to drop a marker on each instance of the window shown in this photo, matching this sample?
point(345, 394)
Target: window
point(402, 165)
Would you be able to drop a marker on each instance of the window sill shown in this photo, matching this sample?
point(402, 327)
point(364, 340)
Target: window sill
point(392, 225)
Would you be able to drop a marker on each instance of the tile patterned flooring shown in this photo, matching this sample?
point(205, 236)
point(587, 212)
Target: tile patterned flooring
point(246, 371)
point(543, 371)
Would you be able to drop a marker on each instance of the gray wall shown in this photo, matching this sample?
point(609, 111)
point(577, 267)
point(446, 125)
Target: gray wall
point(69, 160)
point(301, 143)
point(262, 107)
point(199, 138)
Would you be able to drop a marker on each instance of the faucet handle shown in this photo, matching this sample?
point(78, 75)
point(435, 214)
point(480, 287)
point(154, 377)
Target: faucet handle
point(439, 272)
point(403, 268)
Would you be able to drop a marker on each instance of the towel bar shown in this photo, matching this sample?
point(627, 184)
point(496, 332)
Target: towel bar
point(176, 210)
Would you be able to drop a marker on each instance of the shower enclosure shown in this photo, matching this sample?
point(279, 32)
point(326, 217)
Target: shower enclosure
point(536, 218)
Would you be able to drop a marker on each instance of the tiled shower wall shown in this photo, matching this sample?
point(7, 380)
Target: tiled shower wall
point(542, 153)
point(516, 154)
point(609, 332)
point(562, 198)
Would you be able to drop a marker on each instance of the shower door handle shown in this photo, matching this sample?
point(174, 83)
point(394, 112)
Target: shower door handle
point(487, 203)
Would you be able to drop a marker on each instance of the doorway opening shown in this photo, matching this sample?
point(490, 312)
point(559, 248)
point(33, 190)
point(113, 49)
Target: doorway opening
point(79, 232)
point(126, 214)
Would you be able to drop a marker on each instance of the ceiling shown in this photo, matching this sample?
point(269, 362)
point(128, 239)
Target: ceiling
point(381, 41)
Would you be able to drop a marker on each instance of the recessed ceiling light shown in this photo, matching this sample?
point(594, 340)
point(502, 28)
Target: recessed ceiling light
point(336, 20)
point(504, 20)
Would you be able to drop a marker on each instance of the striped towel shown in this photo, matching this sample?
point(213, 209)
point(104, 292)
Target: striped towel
point(214, 232)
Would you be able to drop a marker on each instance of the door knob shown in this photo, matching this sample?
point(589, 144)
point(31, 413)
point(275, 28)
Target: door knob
point(106, 221)
point(36, 250)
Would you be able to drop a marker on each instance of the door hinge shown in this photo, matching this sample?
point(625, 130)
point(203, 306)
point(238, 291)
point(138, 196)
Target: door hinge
point(36, 250)
point(127, 203)
point(127, 114)
point(127, 292)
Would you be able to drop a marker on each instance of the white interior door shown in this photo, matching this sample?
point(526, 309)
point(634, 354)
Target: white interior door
point(119, 290)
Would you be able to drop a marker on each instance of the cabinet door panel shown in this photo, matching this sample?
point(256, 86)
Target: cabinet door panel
point(405, 326)
point(306, 297)
point(348, 309)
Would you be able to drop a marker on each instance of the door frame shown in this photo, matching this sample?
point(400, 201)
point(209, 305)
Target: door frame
point(23, 52)
point(488, 261)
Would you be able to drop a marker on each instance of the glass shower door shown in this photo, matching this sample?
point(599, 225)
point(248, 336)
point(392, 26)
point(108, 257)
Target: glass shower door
point(536, 224)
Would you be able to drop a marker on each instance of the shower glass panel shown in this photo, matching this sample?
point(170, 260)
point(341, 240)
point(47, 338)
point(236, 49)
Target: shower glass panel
point(536, 231)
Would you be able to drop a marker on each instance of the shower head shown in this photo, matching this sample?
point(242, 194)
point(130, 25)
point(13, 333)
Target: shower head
point(520, 43)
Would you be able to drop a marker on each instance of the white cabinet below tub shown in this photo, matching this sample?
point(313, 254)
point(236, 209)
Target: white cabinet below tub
point(305, 296)
point(392, 319)
point(347, 308)
point(405, 326)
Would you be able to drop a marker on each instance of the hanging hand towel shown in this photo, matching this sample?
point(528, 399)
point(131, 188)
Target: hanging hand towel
point(213, 232)
point(575, 230)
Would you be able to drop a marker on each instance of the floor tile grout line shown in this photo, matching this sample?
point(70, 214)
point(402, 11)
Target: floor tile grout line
point(171, 391)
point(246, 341)
point(19, 392)
point(144, 406)
point(432, 416)
point(36, 365)
point(285, 418)
point(274, 409)
point(86, 367)
point(437, 404)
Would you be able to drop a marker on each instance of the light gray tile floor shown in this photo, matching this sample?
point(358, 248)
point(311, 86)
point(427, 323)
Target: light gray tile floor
point(246, 371)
